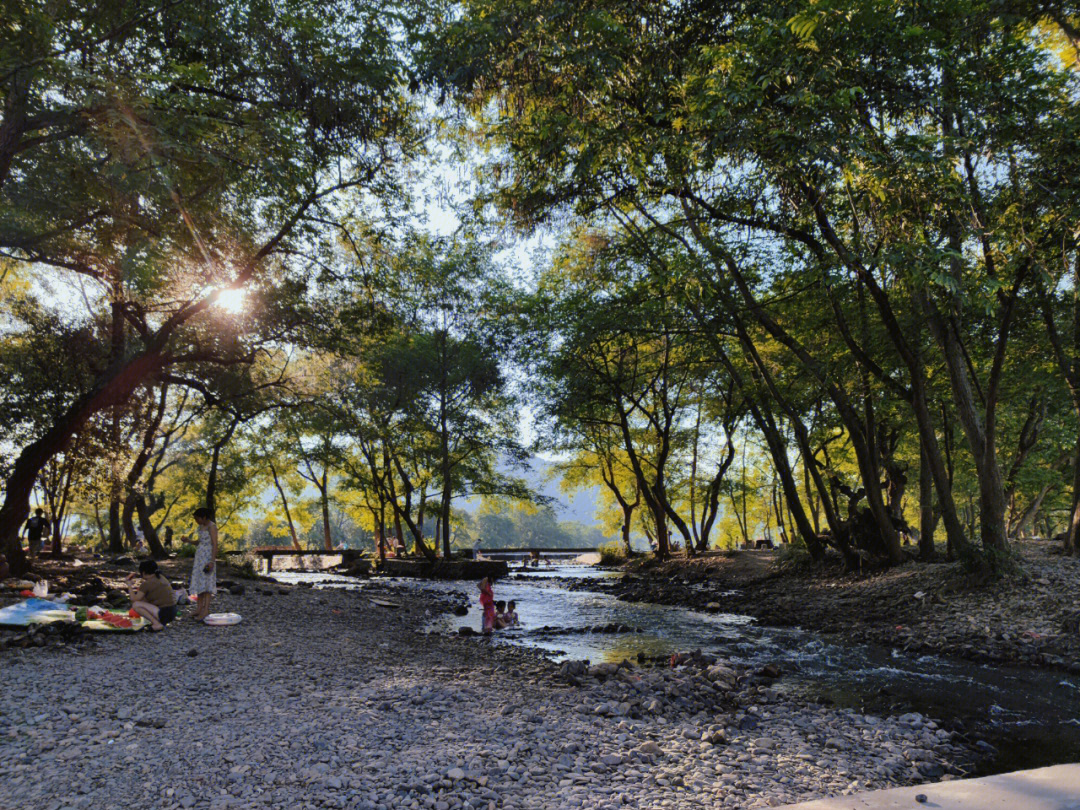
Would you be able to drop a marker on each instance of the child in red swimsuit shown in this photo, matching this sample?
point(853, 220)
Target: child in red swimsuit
point(487, 602)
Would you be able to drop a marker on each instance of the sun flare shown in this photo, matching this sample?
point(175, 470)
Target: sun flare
point(231, 300)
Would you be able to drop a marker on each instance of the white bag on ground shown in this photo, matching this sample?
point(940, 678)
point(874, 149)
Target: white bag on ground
point(41, 589)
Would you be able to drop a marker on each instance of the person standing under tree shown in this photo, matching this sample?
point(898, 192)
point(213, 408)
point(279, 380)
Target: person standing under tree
point(203, 568)
point(35, 529)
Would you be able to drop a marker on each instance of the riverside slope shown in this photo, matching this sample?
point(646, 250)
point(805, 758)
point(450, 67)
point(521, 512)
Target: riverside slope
point(1027, 618)
point(320, 699)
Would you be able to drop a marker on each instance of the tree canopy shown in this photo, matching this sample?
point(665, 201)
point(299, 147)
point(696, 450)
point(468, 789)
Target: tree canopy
point(813, 271)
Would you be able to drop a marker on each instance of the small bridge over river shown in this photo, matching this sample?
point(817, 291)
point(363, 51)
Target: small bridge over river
point(285, 558)
point(561, 554)
point(291, 559)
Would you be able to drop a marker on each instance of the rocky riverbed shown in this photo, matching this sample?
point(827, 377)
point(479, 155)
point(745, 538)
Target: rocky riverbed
point(1029, 618)
point(326, 699)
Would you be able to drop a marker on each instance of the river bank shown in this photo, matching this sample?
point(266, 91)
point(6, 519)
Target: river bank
point(323, 698)
point(1028, 619)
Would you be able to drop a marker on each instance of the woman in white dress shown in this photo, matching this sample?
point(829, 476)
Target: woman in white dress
point(203, 570)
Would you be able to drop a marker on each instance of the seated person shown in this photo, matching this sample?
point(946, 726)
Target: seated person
point(500, 615)
point(511, 617)
point(154, 598)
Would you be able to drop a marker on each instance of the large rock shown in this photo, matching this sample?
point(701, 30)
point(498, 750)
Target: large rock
point(574, 669)
point(721, 675)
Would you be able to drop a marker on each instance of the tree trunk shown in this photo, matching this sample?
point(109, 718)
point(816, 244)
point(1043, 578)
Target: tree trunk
point(127, 522)
point(115, 386)
point(215, 460)
point(607, 475)
point(711, 506)
point(693, 481)
point(399, 534)
point(63, 501)
point(116, 537)
point(157, 551)
point(324, 497)
point(285, 506)
point(774, 440)
point(1073, 528)
point(927, 521)
point(1028, 515)
point(663, 544)
point(13, 125)
point(628, 514)
point(421, 509)
point(980, 434)
point(379, 519)
point(57, 535)
point(1067, 365)
point(939, 472)
point(444, 448)
point(779, 510)
point(778, 451)
point(444, 521)
point(447, 493)
point(211, 480)
point(740, 519)
point(389, 495)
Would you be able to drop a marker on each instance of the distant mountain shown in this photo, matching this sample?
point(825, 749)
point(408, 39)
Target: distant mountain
point(578, 507)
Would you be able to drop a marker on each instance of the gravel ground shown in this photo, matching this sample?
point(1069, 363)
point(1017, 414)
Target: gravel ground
point(322, 699)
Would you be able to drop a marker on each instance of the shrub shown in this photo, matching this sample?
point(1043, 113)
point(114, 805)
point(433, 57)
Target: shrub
point(794, 556)
point(246, 567)
point(612, 553)
point(186, 550)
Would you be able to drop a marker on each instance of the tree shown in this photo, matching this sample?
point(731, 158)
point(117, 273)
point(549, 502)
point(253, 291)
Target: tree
point(785, 159)
point(420, 387)
point(615, 358)
point(196, 143)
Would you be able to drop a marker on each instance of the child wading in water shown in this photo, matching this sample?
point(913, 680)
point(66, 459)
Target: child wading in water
point(510, 618)
point(487, 602)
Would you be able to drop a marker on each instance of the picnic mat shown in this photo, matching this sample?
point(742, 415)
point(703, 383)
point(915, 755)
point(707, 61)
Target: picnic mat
point(34, 611)
point(98, 625)
point(42, 611)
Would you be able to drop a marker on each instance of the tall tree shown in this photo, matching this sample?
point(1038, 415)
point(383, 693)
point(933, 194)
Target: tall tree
point(193, 143)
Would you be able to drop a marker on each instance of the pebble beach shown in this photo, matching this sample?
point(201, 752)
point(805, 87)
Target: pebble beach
point(324, 699)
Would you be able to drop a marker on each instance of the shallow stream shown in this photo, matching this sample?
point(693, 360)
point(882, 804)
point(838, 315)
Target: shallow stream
point(1031, 716)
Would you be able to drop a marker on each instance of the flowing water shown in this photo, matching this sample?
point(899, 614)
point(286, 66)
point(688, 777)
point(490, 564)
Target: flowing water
point(1031, 716)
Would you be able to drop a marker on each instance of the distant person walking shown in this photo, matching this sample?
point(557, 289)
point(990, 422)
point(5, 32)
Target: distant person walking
point(203, 570)
point(35, 529)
